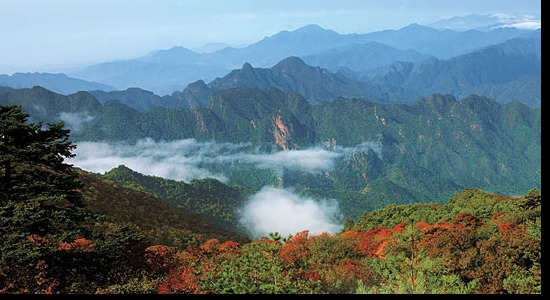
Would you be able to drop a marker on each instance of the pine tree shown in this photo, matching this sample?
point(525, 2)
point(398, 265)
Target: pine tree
point(41, 207)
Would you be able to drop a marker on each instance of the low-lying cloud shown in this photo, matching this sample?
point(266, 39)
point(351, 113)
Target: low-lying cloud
point(182, 159)
point(282, 211)
point(74, 121)
point(270, 210)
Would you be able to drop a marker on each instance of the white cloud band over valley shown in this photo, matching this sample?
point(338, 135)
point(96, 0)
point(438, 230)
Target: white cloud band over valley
point(272, 209)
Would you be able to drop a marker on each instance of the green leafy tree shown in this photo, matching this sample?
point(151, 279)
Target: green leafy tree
point(257, 270)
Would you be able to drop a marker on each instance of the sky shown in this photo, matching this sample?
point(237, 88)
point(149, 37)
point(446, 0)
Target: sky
point(57, 35)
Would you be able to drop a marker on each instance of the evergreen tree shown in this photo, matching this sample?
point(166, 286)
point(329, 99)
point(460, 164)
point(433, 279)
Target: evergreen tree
point(41, 208)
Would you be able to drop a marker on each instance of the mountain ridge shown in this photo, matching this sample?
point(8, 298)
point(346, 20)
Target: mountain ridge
point(373, 70)
point(423, 150)
point(266, 53)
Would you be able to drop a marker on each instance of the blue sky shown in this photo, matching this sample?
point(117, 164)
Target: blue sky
point(50, 35)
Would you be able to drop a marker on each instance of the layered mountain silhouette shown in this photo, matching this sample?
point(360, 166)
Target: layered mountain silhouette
point(510, 71)
point(507, 72)
point(369, 121)
point(166, 71)
point(59, 83)
point(330, 65)
point(420, 118)
point(293, 75)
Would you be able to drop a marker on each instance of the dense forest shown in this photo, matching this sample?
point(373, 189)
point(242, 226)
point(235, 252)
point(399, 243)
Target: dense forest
point(66, 231)
point(380, 153)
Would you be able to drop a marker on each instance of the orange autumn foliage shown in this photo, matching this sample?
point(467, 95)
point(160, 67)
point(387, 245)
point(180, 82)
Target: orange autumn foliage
point(160, 258)
point(180, 282)
point(78, 245)
point(296, 250)
point(370, 242)
point(230, 247)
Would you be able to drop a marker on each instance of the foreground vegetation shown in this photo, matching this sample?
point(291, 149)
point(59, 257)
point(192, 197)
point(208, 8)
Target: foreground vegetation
point(62, 231)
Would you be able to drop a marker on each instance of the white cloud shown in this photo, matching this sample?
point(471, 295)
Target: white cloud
point(527, 22)
point(280, 210)
point(74, 120)
point(308, 160)
point(527, 25)
point(176, 160)
point(270, 210)
point(183, 160)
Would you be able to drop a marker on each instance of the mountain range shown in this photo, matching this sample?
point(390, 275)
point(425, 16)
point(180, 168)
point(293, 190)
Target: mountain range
point(375, 153)
point(358, 148)
point(165, 71)
point(501, 63)
point(404, 120)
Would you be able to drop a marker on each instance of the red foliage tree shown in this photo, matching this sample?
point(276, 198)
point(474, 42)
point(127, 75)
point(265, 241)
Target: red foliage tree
point(180, 282)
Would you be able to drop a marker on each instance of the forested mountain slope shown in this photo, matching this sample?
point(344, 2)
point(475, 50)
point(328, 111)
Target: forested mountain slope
point(66, 231)
point(418, 152)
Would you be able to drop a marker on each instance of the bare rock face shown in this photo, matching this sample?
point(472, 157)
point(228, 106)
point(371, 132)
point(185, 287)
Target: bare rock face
point(282, 133)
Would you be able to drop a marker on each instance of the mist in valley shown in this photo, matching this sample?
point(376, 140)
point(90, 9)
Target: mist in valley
point(271, 209)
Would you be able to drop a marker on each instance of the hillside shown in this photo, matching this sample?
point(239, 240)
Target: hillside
point(67, 231)
point(164, 223)
point(506, 72)
point(364, 154)
point(208, 198)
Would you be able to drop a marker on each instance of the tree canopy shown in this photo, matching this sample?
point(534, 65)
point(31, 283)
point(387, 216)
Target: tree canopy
point(50, 241)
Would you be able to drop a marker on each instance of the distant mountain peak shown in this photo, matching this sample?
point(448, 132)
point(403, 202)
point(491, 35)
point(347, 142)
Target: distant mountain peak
point(312, 28)
point(293, 61)
point(177, 49)
point(417, 27)
point(307, 32)
point(171, 55)
point(247, 67)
